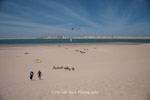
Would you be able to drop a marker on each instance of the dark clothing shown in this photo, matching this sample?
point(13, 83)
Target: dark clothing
point(31, 75)
point(39, 75)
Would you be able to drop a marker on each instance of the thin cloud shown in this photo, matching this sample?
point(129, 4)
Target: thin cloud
point(68, 11)
point(78, 16)
point(29, 24)
point(9, 16)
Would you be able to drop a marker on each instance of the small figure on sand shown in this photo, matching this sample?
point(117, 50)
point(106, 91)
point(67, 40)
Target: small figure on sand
point(39, 75)
point(31, 75)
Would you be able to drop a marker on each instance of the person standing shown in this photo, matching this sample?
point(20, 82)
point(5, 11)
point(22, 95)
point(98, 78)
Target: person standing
point(31, 75)
point(39, 74)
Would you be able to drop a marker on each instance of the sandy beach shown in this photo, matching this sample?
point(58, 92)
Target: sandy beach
point(102, 72)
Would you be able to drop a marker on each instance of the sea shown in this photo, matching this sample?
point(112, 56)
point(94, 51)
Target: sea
point(67, 41)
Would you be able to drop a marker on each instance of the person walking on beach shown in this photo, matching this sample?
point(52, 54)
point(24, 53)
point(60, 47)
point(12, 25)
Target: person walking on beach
point(31, 75)
point(39, 75)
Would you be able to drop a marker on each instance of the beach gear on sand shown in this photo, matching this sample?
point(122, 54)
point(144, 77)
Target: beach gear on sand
point(77, 50)
point(26, 53)
point(82, 52)
point(38, 61)
point(85, 49)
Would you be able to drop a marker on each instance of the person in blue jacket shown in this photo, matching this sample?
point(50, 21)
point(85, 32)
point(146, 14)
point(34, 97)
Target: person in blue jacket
point(31, 75)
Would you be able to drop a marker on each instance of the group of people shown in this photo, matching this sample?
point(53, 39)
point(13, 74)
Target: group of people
point(32, 74)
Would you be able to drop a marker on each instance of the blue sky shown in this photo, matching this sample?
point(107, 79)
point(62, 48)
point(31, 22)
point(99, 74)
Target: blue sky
point(35, 18)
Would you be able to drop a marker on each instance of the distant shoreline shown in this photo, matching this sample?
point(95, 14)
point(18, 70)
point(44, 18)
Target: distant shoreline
point(85, 37)
point(15, 38)
point(93, 37)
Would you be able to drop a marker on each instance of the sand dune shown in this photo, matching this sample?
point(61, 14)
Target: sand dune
point(104, 72)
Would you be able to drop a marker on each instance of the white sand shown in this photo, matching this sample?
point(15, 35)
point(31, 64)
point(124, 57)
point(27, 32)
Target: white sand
point(106, 72)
